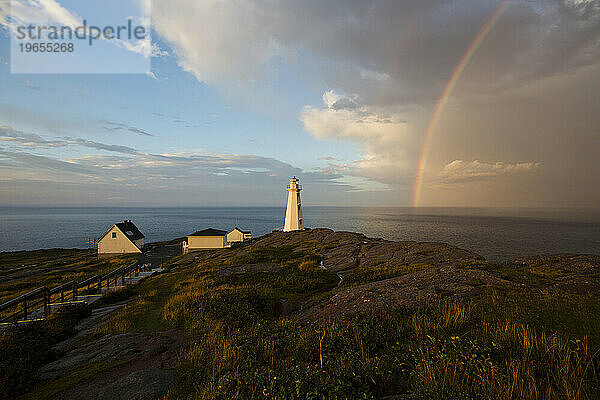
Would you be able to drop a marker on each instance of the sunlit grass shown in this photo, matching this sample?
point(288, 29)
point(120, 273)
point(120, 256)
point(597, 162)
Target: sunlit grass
point(506, 343)
point(379, 272)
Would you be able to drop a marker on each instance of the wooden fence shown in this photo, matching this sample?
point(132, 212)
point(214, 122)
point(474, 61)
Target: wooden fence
point(20, 308)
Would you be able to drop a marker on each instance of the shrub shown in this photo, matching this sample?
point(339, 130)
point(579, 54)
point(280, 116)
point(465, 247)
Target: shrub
point(25, 348)
point(114, 296)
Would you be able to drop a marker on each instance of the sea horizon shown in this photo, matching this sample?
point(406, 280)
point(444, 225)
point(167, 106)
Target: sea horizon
point(497, 233)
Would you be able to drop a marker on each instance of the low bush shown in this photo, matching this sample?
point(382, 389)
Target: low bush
point(25, 348)
point(114, 296)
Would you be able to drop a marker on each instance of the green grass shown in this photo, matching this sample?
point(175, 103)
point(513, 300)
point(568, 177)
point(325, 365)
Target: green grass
point(552, 309)
point(504, 344)
point(114, 296)
point(446, 351)
point(143, 313)
point(530, 275)
point(523, 342)
point(362, 275)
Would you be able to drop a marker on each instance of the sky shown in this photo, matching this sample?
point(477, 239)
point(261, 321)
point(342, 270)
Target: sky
point(463, 103)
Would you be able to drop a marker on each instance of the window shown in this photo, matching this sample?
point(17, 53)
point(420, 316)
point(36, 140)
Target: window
point(114, 235)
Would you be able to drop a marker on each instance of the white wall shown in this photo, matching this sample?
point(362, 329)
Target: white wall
point(206, 242)
point(117, 245)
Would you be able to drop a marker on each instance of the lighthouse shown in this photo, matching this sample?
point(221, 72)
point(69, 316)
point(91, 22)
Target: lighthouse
point(293, 213)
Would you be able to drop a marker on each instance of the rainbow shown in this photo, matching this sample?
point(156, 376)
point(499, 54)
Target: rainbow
point(464, 61)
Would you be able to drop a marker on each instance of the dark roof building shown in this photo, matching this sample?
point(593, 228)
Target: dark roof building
point(238, 229)
point(209, 232)
point(130, 230)
point(122, 238)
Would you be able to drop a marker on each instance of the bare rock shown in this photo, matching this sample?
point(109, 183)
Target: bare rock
point(573, 273)
point(148, 384)
point(580, 264)
point(412, 290)
point(347, 250)
point(106, 348)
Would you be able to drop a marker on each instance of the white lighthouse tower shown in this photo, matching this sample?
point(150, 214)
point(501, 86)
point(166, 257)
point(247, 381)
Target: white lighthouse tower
point(293, 213)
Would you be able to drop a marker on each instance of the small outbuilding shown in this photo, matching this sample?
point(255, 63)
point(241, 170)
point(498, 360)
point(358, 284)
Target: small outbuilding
point(237, 235)
point(122, 238)
point(207, 239)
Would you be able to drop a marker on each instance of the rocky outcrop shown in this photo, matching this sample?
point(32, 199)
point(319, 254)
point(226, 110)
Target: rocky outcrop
point(573, 273)
point(109, 348)
point(148, 384)
point(413, 290)
point(343, 251)
point(579, 264)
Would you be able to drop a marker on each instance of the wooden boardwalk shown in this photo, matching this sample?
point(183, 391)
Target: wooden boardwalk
point(39, 303)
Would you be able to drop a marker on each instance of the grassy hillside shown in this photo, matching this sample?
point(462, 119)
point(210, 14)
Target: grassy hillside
point(250, 339)
point(267, 321)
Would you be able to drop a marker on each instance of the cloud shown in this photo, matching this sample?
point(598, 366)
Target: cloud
point(151, 75)
point(176, 164)
point(190, 178)
point(382, 66)
point(390, 59)
point(100, 146)
point(388, 52)
point(459, 171)
point(176, 119)
point(176, 178)
point(9, 134)
point(113, 126)
point(50, 12)
point(43, 12)
point(34, 141)
point(383, 137)
point(20, 160)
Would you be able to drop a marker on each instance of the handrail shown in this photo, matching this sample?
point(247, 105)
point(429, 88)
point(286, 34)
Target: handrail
point(70, 288)
point(22, 297)
point(63, 286)
point(112, 273)
point(88, 281)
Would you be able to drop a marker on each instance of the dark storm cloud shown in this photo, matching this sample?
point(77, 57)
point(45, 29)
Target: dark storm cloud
point(389, 52)
point(386, 64)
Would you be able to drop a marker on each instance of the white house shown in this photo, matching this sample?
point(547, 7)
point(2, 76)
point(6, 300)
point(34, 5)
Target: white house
point(237, 235)
point(121, 238)
point(206, 239)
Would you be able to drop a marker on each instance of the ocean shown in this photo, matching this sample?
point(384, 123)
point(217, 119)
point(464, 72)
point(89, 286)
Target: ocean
point(496, 234)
